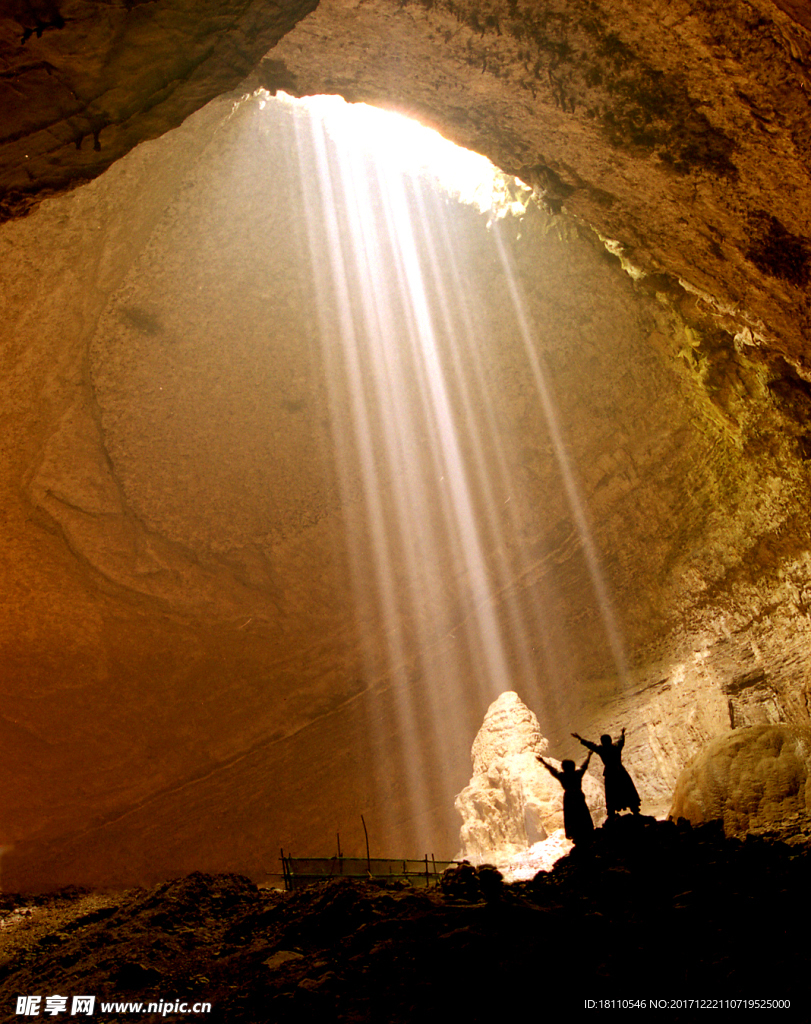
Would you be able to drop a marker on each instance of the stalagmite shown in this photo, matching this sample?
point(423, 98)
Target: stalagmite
point(512, 803)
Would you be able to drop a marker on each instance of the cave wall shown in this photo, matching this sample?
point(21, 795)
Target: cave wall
point(191, 678)
point(664, 132)
point(83, 83)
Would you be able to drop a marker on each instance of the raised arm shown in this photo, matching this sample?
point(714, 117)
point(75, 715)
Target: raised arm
point(621, 740)
point(589, 746)
point(549, 768)
point(581, 771)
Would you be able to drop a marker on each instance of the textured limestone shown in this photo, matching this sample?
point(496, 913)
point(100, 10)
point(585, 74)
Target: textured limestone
point(663, 132)
point(84, 80)
point(750, 778)
point(512, 802)
point(199, 661)
point(682, 136)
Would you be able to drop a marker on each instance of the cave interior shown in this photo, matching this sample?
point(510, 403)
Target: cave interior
point(309, 454)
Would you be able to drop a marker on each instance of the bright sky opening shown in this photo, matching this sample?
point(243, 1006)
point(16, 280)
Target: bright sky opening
point(409, 147)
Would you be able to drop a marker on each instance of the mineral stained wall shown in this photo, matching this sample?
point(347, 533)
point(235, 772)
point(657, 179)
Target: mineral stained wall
point(200, 659)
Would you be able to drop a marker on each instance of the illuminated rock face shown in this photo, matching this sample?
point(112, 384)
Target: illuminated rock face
point(662, 132)
point(199, 661)
point(512, 802)
point(750, 778)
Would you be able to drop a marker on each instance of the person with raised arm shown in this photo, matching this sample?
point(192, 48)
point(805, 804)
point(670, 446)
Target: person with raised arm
point(620, 791)
point(577, 821)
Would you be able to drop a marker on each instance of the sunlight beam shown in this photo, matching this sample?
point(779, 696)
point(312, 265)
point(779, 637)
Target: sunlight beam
point(425, 480)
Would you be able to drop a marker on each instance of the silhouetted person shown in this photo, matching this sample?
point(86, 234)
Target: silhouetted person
point(620, 791)
point(577, 821)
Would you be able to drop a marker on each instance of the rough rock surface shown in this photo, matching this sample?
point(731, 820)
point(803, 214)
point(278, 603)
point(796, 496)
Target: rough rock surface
point(512, 802)
point(668, 133)
point(84, 81)
point(753, 778)
point(658, 908)
point(662, 132)
point(190, 575)
point(217, 637)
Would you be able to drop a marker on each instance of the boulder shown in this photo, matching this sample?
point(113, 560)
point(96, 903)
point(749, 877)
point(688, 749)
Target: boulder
point(749, 778)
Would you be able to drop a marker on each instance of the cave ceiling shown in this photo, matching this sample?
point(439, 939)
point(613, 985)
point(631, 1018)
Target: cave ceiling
point(196, 667)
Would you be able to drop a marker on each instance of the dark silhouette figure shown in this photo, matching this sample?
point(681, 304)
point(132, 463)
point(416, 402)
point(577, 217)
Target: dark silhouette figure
point(620, 791)
point(576, 818)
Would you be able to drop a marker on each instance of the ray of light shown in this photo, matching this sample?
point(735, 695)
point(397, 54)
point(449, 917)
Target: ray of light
point(576, 503)
point(425, 482)
point(374, 435)
point(490, 468)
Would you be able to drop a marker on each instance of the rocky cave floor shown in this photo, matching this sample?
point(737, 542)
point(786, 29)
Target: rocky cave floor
point(653, 910)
